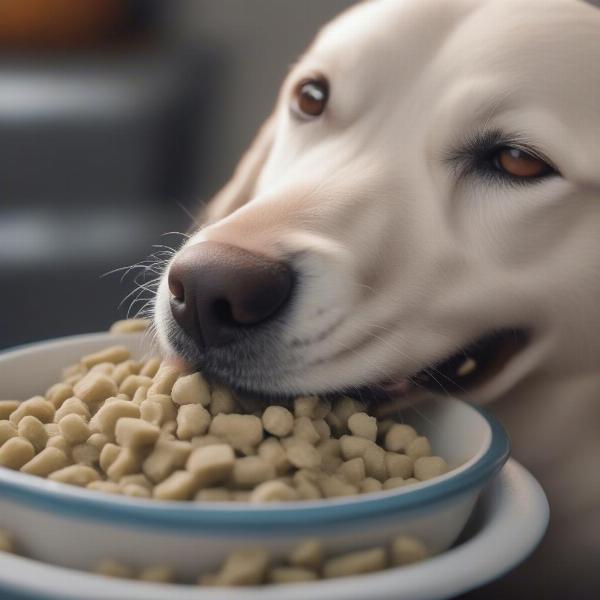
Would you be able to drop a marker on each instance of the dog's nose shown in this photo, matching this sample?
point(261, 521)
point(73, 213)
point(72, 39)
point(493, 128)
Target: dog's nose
point(218, 289)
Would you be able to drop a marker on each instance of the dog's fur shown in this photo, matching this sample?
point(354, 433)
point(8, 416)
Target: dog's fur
point(402, 258)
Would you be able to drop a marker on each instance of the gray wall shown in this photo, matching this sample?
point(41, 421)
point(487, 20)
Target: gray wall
point(257, 40)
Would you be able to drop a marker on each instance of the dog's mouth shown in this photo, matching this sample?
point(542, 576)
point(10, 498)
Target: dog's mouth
point(469, 367)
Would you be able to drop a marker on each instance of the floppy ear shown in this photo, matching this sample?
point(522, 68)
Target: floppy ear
point(241, 186)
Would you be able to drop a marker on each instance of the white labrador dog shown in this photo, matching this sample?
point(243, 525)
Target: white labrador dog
point(423, 209)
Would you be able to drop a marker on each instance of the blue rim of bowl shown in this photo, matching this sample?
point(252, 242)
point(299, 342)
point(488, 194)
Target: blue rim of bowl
point(150, 514)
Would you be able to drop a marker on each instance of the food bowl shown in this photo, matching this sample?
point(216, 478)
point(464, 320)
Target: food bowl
point(77, 528)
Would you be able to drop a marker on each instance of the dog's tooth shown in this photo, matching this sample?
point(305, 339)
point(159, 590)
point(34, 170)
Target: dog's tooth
point(466, 368)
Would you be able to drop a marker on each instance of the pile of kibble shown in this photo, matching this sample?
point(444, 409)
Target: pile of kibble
point(143, 428)
point(307, 562)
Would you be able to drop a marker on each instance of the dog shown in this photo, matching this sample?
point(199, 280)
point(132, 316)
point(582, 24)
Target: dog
point(422, 210)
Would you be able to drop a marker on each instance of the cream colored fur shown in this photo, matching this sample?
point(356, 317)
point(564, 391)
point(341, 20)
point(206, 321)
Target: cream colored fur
point(404, 262)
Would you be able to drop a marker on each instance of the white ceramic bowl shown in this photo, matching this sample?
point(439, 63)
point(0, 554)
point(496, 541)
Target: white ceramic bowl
point(74, 527)
point(509, 521)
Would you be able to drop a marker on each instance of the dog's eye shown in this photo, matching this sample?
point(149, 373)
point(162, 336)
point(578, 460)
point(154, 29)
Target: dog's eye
point(310, 97)
point(519, 163)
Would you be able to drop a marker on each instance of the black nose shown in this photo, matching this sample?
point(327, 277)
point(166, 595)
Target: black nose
point(217, 289)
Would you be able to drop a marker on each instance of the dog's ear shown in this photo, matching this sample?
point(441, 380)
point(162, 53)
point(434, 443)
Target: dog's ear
point(240, 187)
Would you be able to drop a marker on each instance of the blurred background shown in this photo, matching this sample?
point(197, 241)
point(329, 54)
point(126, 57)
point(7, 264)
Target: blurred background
point(117, 117)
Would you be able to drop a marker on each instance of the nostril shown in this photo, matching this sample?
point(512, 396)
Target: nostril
point(221, 308)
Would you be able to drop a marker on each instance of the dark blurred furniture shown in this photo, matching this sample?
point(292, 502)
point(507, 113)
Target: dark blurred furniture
point(96, 153)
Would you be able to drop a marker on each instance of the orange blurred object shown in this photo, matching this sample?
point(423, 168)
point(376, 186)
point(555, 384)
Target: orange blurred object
point(34, 24)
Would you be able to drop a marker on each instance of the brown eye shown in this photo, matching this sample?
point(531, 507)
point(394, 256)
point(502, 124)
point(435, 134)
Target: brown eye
point(310, 97)
point(518, 163)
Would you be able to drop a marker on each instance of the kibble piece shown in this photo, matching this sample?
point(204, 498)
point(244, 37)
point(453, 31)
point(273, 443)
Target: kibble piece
point(153, 412)
point(302, 454)
point(322, 428)
point(150, 367)
point(307, 490)
point(169, 408)
point(222, 401)
point(192, 420)
point(74, 429)
point(136, 491)
point(129, 326)
point(238, 430)
point(353, 471)
point(291, 575)
point(345, 407)
point(355, 563)
point(384, 426)
point(127, 462)
point(37, 407)
point(7, 543)
point(333, 487)
point(428, 467)
point(80, 475)
point(272, 451)
point(211, 464)
point(362, 425)
point(114, 354)
point(46, 462)
point(306, 406)
point(273, 491)
point(157, 574)
point(180, 485)
point(135, 433)
point(308, 554)
point(278, 421)
point(399, 437)
point(335, 423)
point(122, 371)
point(7, 407)
point(244, 567)
point(52, 429)
point(98, 440)
point(213, 495)
point(105, 420)
point(108, 455)
point(398, 465)
point(406, 550)
point(331, 447)
point(137, 479)
point(200, 441)
point(132, 383)
point(352, 446)
point(7, 431)
point(108, 487)
point(103, 369)
point(191, 389)
point(305, 430)
point(59, 442)
point(375, 466)
point(394, 482)
point(72, 406)
point(94, 388)
point(15, 452)
point(166, 457)
point(369, 485)
point(419, 447)
point(249, 471)
point(85, 454)
point(164, 379)
point(112, 568)
point(139, 395)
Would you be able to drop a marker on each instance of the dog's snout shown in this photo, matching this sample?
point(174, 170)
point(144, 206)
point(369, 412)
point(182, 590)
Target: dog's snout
point(218, 288)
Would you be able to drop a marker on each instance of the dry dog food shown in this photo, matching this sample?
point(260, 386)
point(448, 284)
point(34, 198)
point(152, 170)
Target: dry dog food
point(254, 566)
point(144, 429)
